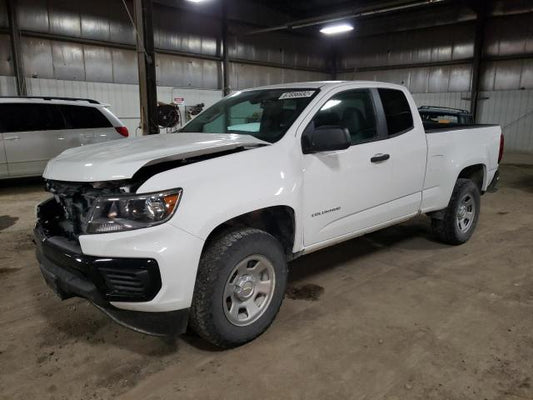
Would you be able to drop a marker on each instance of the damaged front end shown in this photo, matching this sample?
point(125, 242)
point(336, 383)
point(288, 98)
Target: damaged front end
point(101, 280)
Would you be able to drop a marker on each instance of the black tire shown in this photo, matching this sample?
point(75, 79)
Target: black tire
point(208, 317)
point(446, 227)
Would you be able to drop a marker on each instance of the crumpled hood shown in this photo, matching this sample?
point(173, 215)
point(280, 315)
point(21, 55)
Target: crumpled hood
point(120, 159)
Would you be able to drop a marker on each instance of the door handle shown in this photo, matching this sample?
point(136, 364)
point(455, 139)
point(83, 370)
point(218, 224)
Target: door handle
point(379, 157)
point(11, 138)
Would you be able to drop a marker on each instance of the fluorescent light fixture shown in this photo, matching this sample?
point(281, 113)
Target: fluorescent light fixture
point(334, 29)
point(196, 1)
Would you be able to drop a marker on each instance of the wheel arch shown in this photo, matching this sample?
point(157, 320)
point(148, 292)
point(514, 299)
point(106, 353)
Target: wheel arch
point(279, 221)
point(476, 173)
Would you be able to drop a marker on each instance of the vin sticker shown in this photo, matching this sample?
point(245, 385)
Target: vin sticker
point(297, 94)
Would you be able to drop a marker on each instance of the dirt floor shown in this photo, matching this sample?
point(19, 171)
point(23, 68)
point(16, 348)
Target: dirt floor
point(392, 315)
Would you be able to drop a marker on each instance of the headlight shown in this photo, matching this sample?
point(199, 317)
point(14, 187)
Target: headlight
point(127, 212)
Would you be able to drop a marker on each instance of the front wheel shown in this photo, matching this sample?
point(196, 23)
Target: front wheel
point(239, 287)
point(458, 221)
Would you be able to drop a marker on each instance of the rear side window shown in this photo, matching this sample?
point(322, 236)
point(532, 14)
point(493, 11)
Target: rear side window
point(397, 111)
point(19, 117)
point(80, 117)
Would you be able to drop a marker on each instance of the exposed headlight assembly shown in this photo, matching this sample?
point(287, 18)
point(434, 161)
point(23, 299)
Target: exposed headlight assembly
point(131, 211)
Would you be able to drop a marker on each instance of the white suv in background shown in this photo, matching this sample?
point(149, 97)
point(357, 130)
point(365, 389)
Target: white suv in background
point(34, 130)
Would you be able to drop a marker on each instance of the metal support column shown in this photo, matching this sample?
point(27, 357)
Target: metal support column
point(225, 54)
point(481, 10)
point(146, 64)
point(15, 47)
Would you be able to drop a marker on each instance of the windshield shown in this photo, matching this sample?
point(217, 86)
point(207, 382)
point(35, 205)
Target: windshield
point(265, 114)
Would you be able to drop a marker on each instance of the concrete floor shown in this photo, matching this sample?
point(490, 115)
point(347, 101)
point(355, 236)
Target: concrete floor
point(400, 317)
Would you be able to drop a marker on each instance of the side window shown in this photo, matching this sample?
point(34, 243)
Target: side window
point(353, 110)
point(19, 117)
point(81, 117)
point(397, 111)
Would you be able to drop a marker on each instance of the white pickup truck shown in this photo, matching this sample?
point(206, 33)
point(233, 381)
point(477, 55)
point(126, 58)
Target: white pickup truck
point(196, 228)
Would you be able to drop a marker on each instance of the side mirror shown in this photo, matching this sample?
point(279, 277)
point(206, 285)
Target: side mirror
point(325, 138)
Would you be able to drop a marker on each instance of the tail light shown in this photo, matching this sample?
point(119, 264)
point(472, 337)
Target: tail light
point(122, 130)
point(500, 154)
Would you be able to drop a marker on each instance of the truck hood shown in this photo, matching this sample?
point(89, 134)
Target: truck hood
point(121, 159)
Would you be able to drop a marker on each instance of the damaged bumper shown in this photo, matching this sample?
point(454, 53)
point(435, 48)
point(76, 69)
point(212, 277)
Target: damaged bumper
point(107, 280)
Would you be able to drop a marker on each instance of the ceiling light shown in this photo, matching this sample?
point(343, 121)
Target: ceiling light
point(334, 29)
point(196, 1)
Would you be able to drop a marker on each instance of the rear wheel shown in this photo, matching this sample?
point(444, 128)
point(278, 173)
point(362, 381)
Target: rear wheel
point(458, 221)
point(239, 287)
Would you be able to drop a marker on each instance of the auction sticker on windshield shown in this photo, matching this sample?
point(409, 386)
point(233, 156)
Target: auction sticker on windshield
point(297, 95)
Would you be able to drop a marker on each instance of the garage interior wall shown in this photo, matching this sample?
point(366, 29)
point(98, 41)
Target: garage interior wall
point(435, 63)
point(87, 49)
point(73, 48)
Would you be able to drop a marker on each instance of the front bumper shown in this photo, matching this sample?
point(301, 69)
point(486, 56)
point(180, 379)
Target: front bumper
point(103, 280)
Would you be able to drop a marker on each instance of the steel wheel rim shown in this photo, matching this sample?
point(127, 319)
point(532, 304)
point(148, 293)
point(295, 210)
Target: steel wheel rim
point(466, 213)
point(249, 290)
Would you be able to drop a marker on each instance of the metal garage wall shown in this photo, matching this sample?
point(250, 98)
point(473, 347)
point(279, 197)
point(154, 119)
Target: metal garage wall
point(507, 69)
point(94, 41)
point(446, 43)
point(244, 76)
point(513, 110)
point(8, 86)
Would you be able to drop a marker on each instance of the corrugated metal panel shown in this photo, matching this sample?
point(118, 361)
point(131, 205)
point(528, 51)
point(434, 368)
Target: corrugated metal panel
point(280, 48)
point(120, 30)
point(244, 76)
point(460, 78)
point(98, 64)
point(124, 66)
point(513, 110)
point(37, 57)
point(185, 32)
point(439, 79)
point(428, 45)
point(509, 35)
point(186, 72)
point(95, 20)
point(68, 61)
point(454, 78)
point(526, 80)
point(33, 15)
point(505, 7)
point(3, 14)
point(419, 80)
point(64, 17)
point(8, 86)
point(507, 75)
point(447, 99)
point(6, 64)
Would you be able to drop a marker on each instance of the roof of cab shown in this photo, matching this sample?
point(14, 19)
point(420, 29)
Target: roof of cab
point(326, 85)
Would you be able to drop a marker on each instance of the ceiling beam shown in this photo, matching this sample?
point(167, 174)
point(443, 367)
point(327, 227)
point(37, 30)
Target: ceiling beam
point(352, 13)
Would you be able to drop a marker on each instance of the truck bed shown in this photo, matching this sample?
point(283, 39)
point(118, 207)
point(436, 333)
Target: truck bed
point(450, 150)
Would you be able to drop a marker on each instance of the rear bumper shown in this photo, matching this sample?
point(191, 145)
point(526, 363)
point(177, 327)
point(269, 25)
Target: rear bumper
point(71, 273)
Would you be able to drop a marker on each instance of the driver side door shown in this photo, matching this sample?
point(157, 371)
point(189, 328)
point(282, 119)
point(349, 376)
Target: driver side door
point(345, 191)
